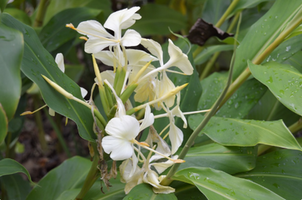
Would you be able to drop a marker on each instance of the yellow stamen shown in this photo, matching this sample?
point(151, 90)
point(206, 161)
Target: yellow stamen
point(83, 38)
point(70, 26)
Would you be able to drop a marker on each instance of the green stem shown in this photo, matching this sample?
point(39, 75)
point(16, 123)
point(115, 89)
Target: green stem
point(227, 13)
point(39, 123)
point(41, 13)
point(59, 134)
point(295, 127)
point(92, 176)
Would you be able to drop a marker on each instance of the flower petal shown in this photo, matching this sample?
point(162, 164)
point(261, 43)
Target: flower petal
point(125, 127)
point(84, 92)
point(95, 45)
point(176, 137)
point(122, 19)
point(60, 61)
point(120, 149)
point(154, 48)
point(148, 119)
point(131, 38)
point(93, 28)
point(178, 59)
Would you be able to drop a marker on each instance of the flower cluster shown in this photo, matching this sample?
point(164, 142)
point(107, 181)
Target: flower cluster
point(133, 73)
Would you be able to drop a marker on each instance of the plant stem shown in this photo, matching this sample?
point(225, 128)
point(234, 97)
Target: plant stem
point(295, 127)
point(227, 13)
point(92, 175)
point(59, 134)
point(41, 13)
point(38, 119)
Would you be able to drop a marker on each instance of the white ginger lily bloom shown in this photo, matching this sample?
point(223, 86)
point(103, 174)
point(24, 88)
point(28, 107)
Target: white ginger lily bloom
point(59, 59)
point(99, 38)
point(177, 59)
point(122, 131)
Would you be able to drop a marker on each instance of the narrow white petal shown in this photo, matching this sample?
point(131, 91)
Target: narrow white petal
point(84, 92)
point(60, 61)
point(154, 48)
point(148, 119)
point(131, 38)
point(176, 137)
point(93, 28)
point(177, 112)
point(179, 59)
point(95, 45)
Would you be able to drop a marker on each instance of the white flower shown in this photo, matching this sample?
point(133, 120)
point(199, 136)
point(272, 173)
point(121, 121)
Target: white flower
point(99, 38)
point(122, 131)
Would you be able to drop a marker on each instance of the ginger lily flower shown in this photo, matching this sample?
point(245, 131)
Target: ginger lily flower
point(99, 38)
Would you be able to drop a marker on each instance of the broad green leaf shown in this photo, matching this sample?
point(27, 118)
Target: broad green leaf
point(269, 108)
point(37, 61)
point(238, 132)
point(263, 32)
point(3, 124)
point(99, 192)
point(19, 14)
point(204, 55)
point(228, 159)
point(279, 171)
point(55, 33)
point(286, 49)
point(56, 6)
point(144, 191)
point(239, 104)
point(284, 81)
point(187, 191)
point(15, 186)
point(245, 4)
point(11, 52)
point(69, 175)
point(219, 185)
point(296, 61)
point(9, 166)
point(159, 23)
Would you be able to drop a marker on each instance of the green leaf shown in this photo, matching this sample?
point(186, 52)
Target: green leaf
point(55, 33)
point(218, 185)
point(37, 61)
point(238, 132)
point(284, 81)
point(159, 23)
point(263, 32)
point(286, 49)
point(98, 190)
point(204, 55)
point(269, 108)
point(3, 124)
point(9, 166)
point(279, 171)
point(2, 5)
point(56, 6)
point(19, 14)
point(239, 104)
point(69, 175)
point(228, 159)
point(187, 191)
point(15, 186)
point(11, 53)
point(245, 4)
point(144, 191)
